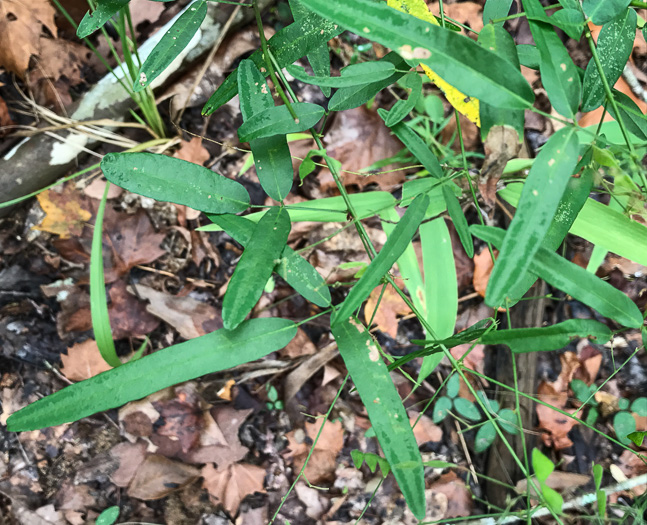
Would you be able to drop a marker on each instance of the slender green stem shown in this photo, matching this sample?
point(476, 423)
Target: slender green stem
point(638, 4)
point(522, 13)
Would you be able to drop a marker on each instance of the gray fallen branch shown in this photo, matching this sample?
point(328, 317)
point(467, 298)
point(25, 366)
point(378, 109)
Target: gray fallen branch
point(40, 160)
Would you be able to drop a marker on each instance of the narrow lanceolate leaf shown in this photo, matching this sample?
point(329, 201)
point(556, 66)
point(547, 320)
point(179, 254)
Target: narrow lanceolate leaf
point(633, 118)
point(459, 220)
point(522, 340)
point(601, 225)
point(575, 281)
point(495, 9)
point(352, 97)
point(255, 266)
point(296, 271)
point(415, 145)
point(558, 73)
point(441, 286)
point(615, 44)
point(574, 198)
point(174, 180)
point(210, 353)
point(404, 106)
point(97, 18)
point(319, 57)
point(271, 154)
point(278, 120)
point(381, 265)
point(603, 12)
point(288, 45)
point(350, 76)
point(385, 410)
point(171, 44)
point(457, 59)
point(542, 192)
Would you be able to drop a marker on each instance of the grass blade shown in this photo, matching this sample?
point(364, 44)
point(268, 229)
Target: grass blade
point(171, 44)
point(381, 265)
point(173, 180)
point(255, 266)
point(540, 198)
point(385, 410)
point(522, 340)
point(296, 271)
point(210, 353)
point(575, 281)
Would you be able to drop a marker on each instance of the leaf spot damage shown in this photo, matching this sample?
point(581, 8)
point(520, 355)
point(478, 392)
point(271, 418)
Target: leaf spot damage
point(409, 53)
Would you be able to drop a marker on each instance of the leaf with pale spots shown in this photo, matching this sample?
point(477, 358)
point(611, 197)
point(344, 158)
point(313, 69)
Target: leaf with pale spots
point(278, 120)
point(538, 205)
point(385, 410)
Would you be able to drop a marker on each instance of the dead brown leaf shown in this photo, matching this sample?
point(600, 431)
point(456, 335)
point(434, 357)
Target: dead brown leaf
point(300, 346)
point(192, 151)
point(97, 187)
point(467, 13)
point(358, 139)
point(459, 498)
point(231, 485)
point(180, 422)
point(482, 269)
point(60, 58)
point(390, 307)
point(83, 361)
point(191, 318)
point(21, 25)
point(501, 145)
point(5, 118)
point(128, 316)
point(425, 430)
point(65, 212)
point(159, 476)
point(129, 457)
point(323, 460)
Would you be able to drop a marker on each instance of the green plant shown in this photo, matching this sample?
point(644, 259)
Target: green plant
point(108, 516)
point(482, 79)
point(273, 403)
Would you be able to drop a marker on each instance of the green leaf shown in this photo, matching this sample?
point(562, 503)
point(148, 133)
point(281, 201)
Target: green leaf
point(553, 337)
point(494, 9)
point(542, 466)
point(441, 408)
point(415, 145)
point(637, 437)
point(528, 55)
point(570, 21)
point(484, 437)
point(457, 59)
point(210, 353)
point(353, 75)
point(632, 116)
point(598, 472)
point(352, 97)
point(255, 266)
point(639, 406)
point(271, 154)
point(508, 421)
point(277, 120)
point(288, 45)
point(391, 251)
point(403, 107)
point(575, 281)
point(602, 12)
point(173, 180)
point(540, 198)
point(453, 385)
point(459, 220)
point(553, 499)
point(108, 516)
point(600, 224)
point(574, 198)
point(581, 390)
point(558, 73)
point(623, 404)
point(171, 44)
point(615, 44)
point(98, 299)
point(467, 409)
point(372, 461)
point(624, 424)
point(385, 410)
point(441, 286)
point(491, 405)
point(97, 18)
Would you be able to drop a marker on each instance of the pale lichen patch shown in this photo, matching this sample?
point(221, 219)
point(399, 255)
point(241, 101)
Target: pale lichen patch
point(562, 67)
point(551, 162)
point(409, 53)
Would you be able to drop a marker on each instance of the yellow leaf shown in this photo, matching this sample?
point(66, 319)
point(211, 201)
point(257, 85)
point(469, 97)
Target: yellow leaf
point(466, 105)
point(64, 214)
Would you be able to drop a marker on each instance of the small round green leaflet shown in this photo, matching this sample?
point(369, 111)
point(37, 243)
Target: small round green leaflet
point(350, 76)
point(278, 120)
point(108, 516)
point(508, 421)
point(542, 465)
point(441, 408)
point(385, 410)
point(173, 180)
point(210, 353)
point(467, 409)
point(484, 436)
point(624, 424)
point(639, 406)
point(104, 12)
point(171, 44)
point(255, 266)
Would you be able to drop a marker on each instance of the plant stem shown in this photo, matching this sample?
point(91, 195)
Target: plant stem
point(522, 13)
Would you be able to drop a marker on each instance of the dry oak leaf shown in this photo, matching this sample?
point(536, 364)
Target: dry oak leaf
point(459, 498)
point(64, 212)
point(83, 361)
point(192, 151)
point(62, 58)
point(390, 307)
point(482, 269)
point(231, 485)
point(323, 460)
point(159, 476)
point(21, 23)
